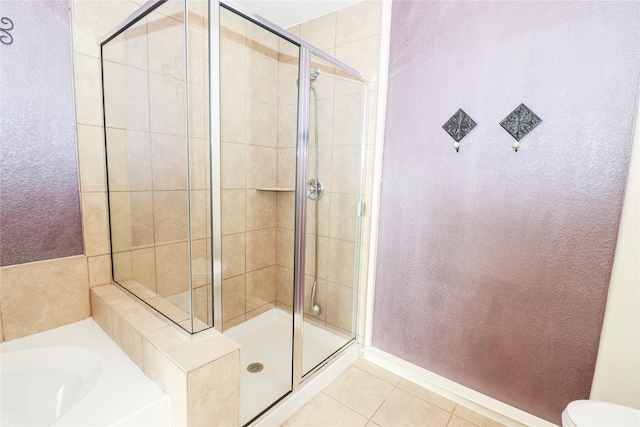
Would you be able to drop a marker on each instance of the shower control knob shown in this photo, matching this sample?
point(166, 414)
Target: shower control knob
point(315, 189)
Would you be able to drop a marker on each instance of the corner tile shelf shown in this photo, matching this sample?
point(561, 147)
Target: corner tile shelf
point(282, 189)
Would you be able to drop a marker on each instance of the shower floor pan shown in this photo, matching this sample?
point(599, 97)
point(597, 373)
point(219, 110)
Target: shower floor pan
point(266, 339)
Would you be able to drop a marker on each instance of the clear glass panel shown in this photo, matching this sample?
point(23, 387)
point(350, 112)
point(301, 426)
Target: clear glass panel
point(334, 191)
point(258, 100)
point(158, 163)
point(199, 167)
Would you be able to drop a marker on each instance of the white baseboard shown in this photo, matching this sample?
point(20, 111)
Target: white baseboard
point(284, 410)
point(483, 404)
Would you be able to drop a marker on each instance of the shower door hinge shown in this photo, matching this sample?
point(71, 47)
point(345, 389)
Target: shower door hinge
point(360, 209)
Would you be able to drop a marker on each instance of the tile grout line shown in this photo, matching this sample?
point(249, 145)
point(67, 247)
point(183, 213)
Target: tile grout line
point(451, 414)
point(341, 404)
point(397, 386)
point(383, 402)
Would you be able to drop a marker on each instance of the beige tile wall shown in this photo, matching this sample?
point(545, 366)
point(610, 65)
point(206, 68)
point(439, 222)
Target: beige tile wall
point(43, 295)
point(250, 159)
point(287, 139)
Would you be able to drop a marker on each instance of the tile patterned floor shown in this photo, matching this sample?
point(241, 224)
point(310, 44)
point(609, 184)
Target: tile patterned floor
point(368, 395)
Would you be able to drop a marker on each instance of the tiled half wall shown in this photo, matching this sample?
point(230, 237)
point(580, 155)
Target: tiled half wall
point(200, 373)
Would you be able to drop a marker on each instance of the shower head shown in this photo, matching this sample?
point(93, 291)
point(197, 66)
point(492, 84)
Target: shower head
point(314, 76)
point(315, 73)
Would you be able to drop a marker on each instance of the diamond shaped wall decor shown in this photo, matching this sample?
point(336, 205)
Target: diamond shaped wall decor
point(458, 126)
point(519, 123)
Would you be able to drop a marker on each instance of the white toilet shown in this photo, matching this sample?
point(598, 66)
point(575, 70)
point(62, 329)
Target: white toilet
point(591, 413)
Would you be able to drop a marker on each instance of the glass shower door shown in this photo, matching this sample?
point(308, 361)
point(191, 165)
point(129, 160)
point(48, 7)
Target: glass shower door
point(258, 99)
point(334, 193)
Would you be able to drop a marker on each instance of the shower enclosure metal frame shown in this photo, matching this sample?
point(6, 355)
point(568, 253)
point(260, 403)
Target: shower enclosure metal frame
point(304, 89)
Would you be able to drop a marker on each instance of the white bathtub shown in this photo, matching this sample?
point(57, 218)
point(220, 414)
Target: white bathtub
point(75, 375)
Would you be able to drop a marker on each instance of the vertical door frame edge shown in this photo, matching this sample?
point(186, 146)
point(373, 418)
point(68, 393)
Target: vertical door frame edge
point(302, 146)
point(216, 163)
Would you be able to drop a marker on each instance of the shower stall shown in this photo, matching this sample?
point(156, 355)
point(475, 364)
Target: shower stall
point(235, 161)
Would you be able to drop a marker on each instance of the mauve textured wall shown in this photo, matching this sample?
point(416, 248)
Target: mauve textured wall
point(39, 198)
point(493, 266)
